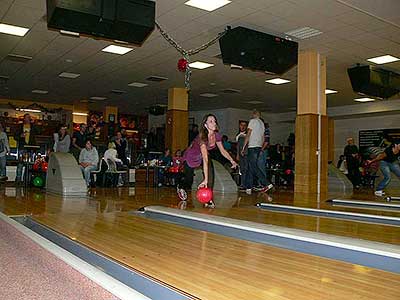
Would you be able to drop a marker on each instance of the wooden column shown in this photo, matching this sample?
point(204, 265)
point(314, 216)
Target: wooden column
point(110, 110)
point(311, 102)
point(79, 112)
point(331, 140)
point(177, 122)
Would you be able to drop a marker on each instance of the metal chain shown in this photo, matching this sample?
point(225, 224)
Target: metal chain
point(187, 53)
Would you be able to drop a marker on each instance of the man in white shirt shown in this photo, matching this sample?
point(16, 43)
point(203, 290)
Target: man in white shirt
point(254, 142)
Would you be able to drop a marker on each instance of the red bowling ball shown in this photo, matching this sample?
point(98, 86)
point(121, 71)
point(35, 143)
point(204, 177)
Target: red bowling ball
point(204, 195)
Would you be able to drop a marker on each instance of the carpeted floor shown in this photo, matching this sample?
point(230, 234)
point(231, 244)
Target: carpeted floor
point(28, 272)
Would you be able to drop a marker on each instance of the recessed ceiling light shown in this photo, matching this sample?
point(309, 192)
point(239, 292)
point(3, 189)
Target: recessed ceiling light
point(117, 49)
point(277, 81)
point(156, 78)
point(208, 5)
point(255, 102)
point(328, 91)
point(383, 59)
point(13, 30)
point(138, 84)
point(79, 114)
point(231, 91)
point(18, 58)
point(200, 65)
point(69, 75)
point(208, 95)
point(40, 92)
point(119, 92)
point(364, 99)
point(303, 33)
point(70, 33)
point(98, 98)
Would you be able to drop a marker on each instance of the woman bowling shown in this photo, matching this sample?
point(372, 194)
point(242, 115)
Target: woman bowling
point(197, 155)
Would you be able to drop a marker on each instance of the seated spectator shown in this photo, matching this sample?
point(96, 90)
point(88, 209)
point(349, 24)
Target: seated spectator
point(176, 171)
point(226, 143)
point(165, 160)
point(88, 160)
point(112, 154)
point(177, 160)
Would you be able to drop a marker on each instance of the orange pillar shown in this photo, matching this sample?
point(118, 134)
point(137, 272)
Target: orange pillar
point(177, 122)
point(311, 156)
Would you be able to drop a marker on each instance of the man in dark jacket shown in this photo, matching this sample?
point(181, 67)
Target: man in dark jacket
point(351, 153)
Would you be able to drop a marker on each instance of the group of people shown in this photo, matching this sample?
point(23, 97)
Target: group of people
point(252, 143)
point(80, 145)
point(351, 161)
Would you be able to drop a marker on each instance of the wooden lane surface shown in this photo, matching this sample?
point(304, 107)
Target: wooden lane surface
point(211, 266)
point(208, 266)
point(108, 200)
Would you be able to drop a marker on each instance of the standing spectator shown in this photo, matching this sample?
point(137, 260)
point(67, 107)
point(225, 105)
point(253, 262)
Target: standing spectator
point(88, 160)
point(91, 131)
point(25, 136)
point(255, 140)
point(351, 153)
point(389, 162)
point(4, 149)
point(120, 146)
point(242, 158)
point(78, 141)
point(62, 140)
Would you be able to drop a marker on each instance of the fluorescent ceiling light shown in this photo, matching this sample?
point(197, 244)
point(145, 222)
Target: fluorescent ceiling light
point(208, 95)
point(13, 30)
point(98, 98)
point(383, 59)
point(277, 81)
point(117, 49)
point(255, 102)
point(79, 114)
point(200, 65)
point(40, 92)
point(364, 99)
point(69, 75)
point(208, 5)
point(304, 33)
point(30, 110)
point(328, 91)
point(70, 33)
point(138, 84)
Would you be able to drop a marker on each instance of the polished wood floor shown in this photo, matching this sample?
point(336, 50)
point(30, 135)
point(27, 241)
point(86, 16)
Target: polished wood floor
point(210, 266)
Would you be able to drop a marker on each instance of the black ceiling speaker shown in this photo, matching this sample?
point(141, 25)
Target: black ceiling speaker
point(374, 81)
point(258, 51)
point(124, 20)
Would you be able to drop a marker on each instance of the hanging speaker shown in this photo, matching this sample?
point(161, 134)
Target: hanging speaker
point(258, 51)
point(130, 21)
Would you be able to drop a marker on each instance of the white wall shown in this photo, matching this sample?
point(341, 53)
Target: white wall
point(281, 124)
point(350, 128)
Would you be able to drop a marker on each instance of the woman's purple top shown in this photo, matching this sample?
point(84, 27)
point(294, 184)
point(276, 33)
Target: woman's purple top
point(192, 155)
